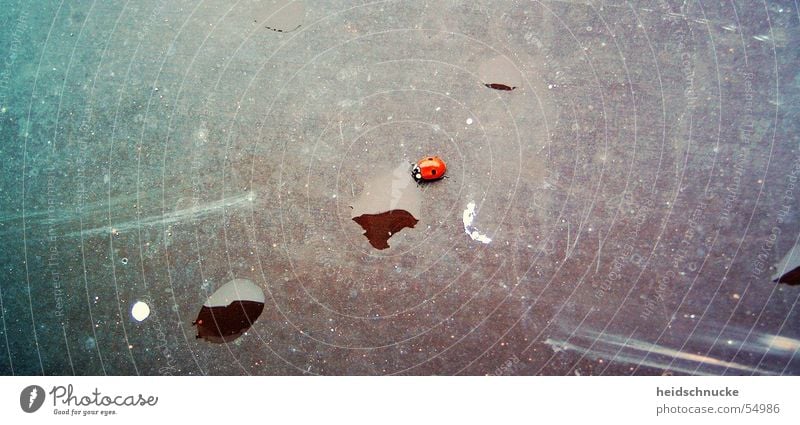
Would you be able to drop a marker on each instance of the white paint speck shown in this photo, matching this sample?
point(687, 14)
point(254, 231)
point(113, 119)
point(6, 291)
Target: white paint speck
point(469, 217)
point(140, 311)
point(469, 121)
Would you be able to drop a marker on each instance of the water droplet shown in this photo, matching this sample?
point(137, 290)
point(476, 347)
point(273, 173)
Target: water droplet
point(230, 311)
point(389, 203)
point(286, 16)
point(500, 73)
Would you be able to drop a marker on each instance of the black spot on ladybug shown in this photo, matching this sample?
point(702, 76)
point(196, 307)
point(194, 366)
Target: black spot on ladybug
point(433, 172)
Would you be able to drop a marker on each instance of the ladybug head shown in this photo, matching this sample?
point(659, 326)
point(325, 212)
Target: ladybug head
point(416, 173)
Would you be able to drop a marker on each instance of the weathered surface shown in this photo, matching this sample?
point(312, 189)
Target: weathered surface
point(636, 187)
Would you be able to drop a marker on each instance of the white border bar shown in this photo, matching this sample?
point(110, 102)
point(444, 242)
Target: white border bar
point(404, 400)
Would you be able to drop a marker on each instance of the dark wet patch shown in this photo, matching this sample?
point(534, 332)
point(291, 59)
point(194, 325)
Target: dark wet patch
point(230, 311)
point(225, 324)
point(280, 30)
point(497, 86)
point(389, 203)
point(499, 73)
point(378, 228)
point(286, 16)
point(790, 278)
point(790, 262)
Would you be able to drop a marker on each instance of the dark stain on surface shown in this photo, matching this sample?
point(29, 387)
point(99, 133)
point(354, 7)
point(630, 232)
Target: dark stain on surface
point(498, 86)
point(225, 324)
point(280, 30)
point(790, 278)
point(378, 228)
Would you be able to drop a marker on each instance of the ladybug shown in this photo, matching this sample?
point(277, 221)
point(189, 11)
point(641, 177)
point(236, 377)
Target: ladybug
point(429, 169)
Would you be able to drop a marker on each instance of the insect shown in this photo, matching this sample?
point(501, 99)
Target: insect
point(429, 169)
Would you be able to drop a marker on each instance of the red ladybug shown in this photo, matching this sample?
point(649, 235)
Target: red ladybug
point(429, 169)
